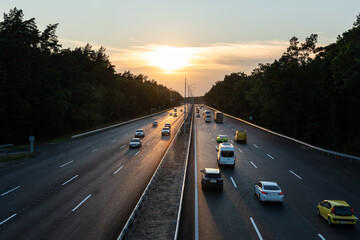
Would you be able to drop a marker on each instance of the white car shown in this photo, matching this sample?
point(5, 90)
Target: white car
point(139, 133)
point(167, 125)
point(268, 191)
point(135, 143)
point(165, 131)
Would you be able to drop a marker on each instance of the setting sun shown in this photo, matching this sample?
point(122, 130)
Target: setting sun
point(169, 58)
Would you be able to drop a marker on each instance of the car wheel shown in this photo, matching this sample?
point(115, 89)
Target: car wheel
point(329, 221)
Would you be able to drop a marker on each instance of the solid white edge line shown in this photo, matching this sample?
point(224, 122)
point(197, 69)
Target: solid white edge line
point(118, 170)
point(69, 180)
point(270, 156)
point(8, 218)
point(81, 203)
point(256, 229)
point(123, 146)
point(66, 163)
point(320, 236)
point(10, 191)
point(255, 145)
point(137, 153)
point(295, 174)
point(253, 164)
point(196, 191)
point(240, 150)
point(94, 150)
point(233, 182)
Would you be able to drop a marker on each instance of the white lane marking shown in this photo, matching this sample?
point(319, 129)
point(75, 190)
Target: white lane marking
point(114, 140)
point(126, 134)
point(94, 150)
point(270, 156)
point(256, 229)
point(295, 174)
point(137, 153)
point(357, 218)
point(253, 164)
point(231, 141)
point(240, 150)
point(320, 236)
point(66, 163)
point(196, 191)
point(222, 131)
point(123, 146)
point(213, 139)
point(118, 170)
point(8, 218)
point(10, 190)
point(233, 129)
point(69, 180)
point(233, 182)
point(148, 143)
point(81, 203)
point(210, 134)
point(255, 145)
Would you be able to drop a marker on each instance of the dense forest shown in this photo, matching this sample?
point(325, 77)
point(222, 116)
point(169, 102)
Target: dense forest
point(311, 93)
point(47, 91)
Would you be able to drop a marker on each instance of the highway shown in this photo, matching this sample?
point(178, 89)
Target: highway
point(305, 177)
point(84, 188)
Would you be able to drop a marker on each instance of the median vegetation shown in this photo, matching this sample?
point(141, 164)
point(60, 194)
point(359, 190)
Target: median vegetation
point(310, 93)
point(47, 91)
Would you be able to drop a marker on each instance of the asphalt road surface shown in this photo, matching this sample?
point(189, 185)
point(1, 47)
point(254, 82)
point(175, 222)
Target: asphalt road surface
point(305, 177)
point(81, 189)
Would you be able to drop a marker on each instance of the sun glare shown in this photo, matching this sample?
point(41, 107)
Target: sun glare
point(169, 58)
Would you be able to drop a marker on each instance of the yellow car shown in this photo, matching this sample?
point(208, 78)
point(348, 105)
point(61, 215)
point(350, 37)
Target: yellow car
point(336, 212)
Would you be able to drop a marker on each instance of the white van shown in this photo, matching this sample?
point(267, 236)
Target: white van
point(226, 154)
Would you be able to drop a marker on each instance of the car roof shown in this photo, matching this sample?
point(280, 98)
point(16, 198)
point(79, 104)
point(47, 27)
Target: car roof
point(269, 183)
point(166, 128)
point(226, 145)
point(338, 203)
point(222, 136)
point(140, 130)
point(212, 170)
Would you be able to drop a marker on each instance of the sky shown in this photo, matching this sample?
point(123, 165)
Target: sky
point(200, 40)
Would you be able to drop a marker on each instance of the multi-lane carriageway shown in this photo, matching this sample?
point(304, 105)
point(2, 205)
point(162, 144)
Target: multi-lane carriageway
point(87, 188)
point(305, 177)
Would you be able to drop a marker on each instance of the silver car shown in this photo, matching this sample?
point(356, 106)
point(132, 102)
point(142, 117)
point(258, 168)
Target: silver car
point(135, 143)
point(139, 133)
point(268, 191)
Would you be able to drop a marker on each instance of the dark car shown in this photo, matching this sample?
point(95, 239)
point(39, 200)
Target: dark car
point(155, 124)
point(211, 178)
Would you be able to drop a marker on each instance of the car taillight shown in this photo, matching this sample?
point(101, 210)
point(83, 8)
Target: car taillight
point(352, 211)
point(264, 192)
point(281, 193)
point(333, 210)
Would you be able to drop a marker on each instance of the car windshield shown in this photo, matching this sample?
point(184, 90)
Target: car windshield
point(165, 128)
point(227, 153)
point(140, 131)
point(343, 211)
point(271, 187)
point(135, 140)
point(222, 136)
point(208, 175)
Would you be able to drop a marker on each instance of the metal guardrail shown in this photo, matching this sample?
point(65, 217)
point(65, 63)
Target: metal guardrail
point(309, 146)
point(118, 124)
point(184, 177)
point(130, 222)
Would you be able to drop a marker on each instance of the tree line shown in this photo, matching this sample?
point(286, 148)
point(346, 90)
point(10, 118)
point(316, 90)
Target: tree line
point(48, 91)
point(310, 93)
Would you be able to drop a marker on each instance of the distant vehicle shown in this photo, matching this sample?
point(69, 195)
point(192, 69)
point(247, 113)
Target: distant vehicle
point(240, 136)
point(226, 154)
point(171, 114)
point(175, 110)
point(167, 125)
point(140, 133)
point(221, 138)
point(268, 191)
point(218, 117)
point(207, 118)
point(175, 114)
point(181, 110)
point(211, 178)
point(165, 131)
point(198, 115)
point(336, 212)
point(155, 124)
point(207, 113)
point(135, 143)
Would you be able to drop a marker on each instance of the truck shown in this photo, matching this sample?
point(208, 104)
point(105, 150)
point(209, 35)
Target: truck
point(218, 117)
point(240, 136)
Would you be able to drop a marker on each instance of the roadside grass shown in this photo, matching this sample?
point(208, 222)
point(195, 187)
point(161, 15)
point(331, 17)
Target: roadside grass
point(13, 157)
